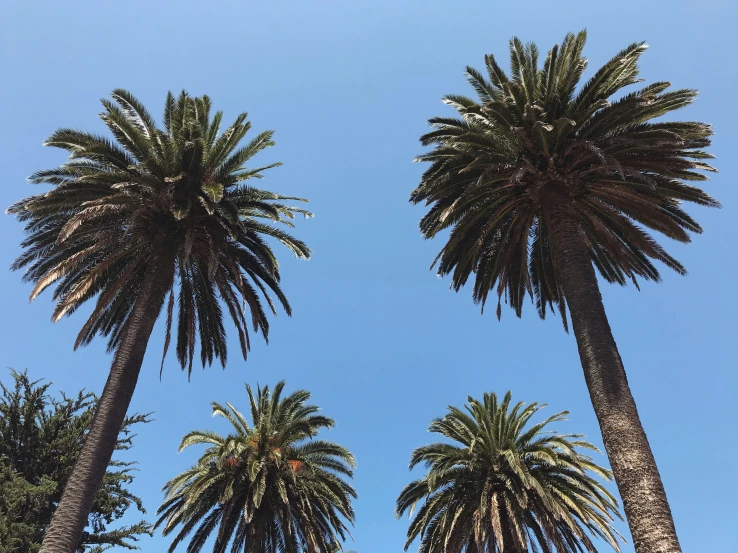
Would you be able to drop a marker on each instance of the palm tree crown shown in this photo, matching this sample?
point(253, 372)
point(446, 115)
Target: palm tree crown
point(264, 486)
point(176, 196)
point(492, 169)
point(502, 486)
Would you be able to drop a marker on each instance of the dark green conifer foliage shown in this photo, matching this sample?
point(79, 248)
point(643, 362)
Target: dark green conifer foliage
point(40, 438)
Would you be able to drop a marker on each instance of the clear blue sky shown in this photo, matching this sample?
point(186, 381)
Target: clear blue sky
point(380, 341)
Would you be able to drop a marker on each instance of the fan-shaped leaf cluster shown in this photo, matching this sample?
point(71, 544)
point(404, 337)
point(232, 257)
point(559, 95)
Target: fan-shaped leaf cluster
point(538, 129)
point(502, 485)
point(181, 193)
point(268, 486)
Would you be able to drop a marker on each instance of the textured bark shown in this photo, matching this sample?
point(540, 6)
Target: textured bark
point(70, 518)
point(633, 465)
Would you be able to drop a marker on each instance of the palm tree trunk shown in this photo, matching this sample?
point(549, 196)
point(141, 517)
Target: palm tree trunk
point(71, 516)
point(633, 465)
point(253, 538)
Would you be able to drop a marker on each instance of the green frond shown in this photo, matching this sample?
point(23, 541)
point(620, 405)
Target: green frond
point(200, 437)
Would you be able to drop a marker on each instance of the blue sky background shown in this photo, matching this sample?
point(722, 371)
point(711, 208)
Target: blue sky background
point(380, 341)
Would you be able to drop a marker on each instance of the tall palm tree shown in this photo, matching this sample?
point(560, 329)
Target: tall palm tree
point(503, 486)
point(267, 487)
point(540, 182)
point(156, 212)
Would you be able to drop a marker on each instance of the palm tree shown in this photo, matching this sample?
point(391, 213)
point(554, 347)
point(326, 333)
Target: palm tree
point(503, 486)
point(267, 487)
point(156, 212)
point(540, 183)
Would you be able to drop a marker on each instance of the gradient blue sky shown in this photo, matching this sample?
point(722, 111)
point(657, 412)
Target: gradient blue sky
point(380, 341)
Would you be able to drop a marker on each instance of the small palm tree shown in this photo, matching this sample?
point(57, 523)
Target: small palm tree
point(541, 183)
point(162, 212)
point(502, 486)
point(267, 487)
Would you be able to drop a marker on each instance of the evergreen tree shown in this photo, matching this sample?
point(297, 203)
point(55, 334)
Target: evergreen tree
point(40, 439)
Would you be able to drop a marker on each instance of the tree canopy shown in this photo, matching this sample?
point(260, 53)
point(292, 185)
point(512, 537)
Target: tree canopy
point(268, 486)
point(499, 484)
point(539, 129)
point(178, 197)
